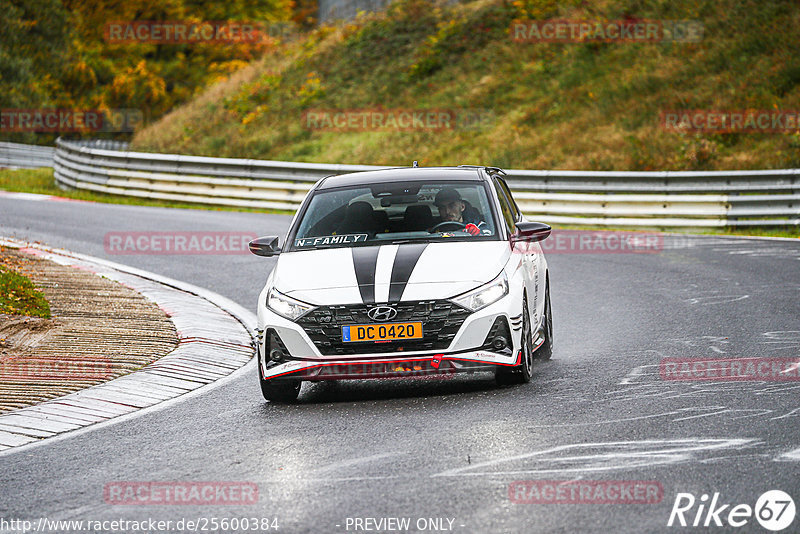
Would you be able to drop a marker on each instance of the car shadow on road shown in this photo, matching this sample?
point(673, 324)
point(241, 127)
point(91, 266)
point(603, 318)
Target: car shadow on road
point(339, 391)
point(396, 388)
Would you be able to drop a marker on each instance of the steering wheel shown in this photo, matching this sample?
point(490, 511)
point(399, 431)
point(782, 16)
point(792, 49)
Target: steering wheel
point(453, 225)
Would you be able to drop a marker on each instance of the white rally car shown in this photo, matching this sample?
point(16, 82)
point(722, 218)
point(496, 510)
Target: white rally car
point(404, 272)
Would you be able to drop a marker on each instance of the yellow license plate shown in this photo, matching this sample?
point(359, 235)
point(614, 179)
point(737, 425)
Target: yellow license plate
point(382, 332)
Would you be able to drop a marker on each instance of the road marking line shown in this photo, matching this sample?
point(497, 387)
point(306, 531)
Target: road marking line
point(620, 455)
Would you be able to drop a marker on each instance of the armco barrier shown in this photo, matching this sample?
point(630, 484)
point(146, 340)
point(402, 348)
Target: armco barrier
point(330, 10)
point(643, 199)
point(19, 156)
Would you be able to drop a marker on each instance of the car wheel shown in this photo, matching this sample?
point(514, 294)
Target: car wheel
point(522, 373)
point(279, 391)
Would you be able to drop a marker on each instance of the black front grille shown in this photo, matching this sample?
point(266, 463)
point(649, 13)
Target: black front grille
point(440, 319)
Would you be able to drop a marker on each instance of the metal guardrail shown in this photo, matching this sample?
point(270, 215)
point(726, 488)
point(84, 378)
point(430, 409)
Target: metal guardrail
point(330, 10)
point(19, 156)
point(643, 199)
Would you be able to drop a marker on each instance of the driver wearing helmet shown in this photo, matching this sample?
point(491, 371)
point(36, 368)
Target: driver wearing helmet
point(453, 209)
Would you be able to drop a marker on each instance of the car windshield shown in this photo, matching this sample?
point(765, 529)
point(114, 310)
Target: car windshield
point(396, 212)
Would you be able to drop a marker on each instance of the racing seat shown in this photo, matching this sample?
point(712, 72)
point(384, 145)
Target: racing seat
point(359, 219)
point(381, 220)
point(417, 218)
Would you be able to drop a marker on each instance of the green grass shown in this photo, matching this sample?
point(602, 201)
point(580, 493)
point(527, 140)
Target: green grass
point(29, 181)
point(18, 296)
point(758, 231)
point(41, 181)
point(780, 231)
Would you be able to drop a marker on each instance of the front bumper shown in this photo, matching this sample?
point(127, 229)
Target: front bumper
point(430, 366)
point(466, 349)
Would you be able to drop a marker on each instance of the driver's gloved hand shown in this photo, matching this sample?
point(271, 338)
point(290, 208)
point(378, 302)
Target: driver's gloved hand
point(472, 229)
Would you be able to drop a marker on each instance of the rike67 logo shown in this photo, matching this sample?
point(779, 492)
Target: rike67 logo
point(774, 510)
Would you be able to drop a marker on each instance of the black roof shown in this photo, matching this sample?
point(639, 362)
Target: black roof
point(404, 174)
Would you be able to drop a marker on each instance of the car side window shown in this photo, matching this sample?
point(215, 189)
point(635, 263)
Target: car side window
point(505, 207)
point(507, 191)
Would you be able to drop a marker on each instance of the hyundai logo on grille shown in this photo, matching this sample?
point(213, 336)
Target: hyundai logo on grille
point(382, 313)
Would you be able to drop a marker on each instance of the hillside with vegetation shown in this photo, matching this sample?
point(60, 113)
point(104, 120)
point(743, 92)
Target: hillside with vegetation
point(584, 105)
point(56, 54)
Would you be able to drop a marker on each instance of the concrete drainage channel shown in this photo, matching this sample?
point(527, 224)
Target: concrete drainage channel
point(215, 344)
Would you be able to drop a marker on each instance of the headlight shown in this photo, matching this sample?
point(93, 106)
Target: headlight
point(286, 306)
point(486, 294)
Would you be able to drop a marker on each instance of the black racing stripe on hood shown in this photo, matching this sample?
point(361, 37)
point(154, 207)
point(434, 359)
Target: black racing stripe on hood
point(365, 261)
point(404, 262)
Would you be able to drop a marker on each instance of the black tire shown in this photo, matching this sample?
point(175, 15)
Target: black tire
point(279, 391)
point(545, 351)
point(522, 373)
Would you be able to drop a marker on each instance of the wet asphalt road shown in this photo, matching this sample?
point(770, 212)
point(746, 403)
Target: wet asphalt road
point(443, 453)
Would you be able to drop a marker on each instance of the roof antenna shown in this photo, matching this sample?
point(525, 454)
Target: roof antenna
point(415, 164)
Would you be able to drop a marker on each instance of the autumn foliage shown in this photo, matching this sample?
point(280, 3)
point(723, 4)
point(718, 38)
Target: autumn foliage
point(53, 54)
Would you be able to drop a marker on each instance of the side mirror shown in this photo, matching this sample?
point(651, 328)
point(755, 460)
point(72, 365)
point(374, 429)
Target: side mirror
point(265, 246)
point(531, 231)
